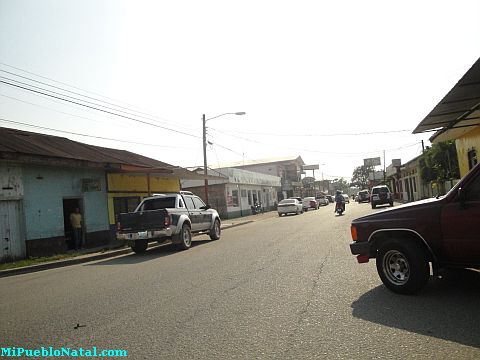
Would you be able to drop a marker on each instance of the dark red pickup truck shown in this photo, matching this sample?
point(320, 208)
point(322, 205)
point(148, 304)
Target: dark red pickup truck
point(405, 240)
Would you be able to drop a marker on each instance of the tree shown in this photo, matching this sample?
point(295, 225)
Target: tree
point(360, 177)
point(340, 184)
point(440, 163)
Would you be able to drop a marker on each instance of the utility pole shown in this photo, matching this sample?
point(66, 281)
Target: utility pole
point(384, 169)
point(204, 121)
point(205, 157)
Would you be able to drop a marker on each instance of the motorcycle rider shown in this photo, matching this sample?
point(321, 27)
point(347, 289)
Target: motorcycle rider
point(339, 199)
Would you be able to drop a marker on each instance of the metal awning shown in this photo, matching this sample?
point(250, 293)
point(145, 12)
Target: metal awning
point(458, 111)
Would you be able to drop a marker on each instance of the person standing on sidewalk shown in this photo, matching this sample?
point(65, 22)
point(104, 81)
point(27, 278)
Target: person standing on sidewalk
point(76, 222)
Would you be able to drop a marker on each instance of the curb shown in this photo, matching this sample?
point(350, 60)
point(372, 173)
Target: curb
point(235, 225)
point(63, 263)
point(83, 258)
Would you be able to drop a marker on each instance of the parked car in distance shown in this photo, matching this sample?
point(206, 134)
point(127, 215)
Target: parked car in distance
point(404, 241)
point(381, 195)
point(309, 202)
point(347, 198)
point(289, 206)
point(330, 198)
point(363, 196)
point(322, 200)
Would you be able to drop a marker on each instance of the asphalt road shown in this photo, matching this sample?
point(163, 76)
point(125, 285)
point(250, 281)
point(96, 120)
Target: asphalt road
point(283, 288)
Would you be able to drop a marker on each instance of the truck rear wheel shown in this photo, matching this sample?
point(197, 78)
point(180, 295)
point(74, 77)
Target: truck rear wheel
point(402, 266)
point(215, 230)
point(184, 238)
point(140, 246)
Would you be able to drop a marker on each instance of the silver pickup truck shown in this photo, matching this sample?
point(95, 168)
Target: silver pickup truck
point(168, 217)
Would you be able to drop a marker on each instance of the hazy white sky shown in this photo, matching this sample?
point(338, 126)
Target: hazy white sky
point(299, 69)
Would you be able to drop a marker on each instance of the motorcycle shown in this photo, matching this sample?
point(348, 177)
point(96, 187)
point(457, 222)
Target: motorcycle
point(256, 208)
point(339, 207)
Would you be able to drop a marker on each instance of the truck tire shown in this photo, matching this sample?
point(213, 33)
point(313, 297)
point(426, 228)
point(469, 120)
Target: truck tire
point(402, 266)
point(215, 230)
point(183, 239)
point(140, 246)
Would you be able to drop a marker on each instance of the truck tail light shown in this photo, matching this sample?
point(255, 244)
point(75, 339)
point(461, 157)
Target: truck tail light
point(119, 226)
point(167, 221)
point(353, 231)
point(362, 259)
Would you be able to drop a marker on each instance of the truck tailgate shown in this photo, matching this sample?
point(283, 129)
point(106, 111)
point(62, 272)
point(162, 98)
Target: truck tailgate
point(141, 221)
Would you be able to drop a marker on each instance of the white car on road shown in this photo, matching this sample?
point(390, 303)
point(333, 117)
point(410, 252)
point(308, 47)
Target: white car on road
point(309, 202)
point(322, 200)
point(289, 206)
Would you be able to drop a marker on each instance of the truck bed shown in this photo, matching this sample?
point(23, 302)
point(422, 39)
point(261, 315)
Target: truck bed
point(142, 221)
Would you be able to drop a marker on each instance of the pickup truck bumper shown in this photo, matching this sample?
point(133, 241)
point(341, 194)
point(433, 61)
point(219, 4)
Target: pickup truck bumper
point(144, 235)
point(360, 248)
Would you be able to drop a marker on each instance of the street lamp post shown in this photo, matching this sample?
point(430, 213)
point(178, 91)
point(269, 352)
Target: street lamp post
point(204, 121)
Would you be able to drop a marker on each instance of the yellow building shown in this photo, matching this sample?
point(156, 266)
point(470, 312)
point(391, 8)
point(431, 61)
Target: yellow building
point(126, 190)
point(467, 147)
point(457, 117)
point(128, 185)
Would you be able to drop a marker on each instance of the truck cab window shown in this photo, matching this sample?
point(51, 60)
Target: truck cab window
point(198, 202)
point(159, 203)
point(189, 202)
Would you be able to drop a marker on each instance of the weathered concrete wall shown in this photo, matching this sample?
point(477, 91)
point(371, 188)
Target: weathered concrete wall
point(45, 188)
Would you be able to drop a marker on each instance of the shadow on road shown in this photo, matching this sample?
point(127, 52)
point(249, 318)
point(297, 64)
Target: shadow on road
point(150, 254)
point(448, 308)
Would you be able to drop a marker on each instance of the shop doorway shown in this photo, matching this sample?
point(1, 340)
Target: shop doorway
point(69, 206)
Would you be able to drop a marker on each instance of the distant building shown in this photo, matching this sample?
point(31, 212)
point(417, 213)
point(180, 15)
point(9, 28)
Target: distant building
point(411, 182)
point(239, 189)
point(289, 169)
point(392, 176)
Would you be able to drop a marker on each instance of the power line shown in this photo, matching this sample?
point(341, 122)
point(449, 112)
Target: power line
point(102, 110)
point(77, 88)
point(49, 108)
point(85, 135)
point(77, 99)
point(44, 128)
point(316, 151)
point(145, 115)
point(56, 81)
point(59, 88)
point(310, 135)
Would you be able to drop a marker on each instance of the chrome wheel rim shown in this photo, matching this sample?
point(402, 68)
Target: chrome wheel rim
point(396, 267)
point(187, 240)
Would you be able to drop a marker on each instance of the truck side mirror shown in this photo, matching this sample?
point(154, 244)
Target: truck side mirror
point(462, 197)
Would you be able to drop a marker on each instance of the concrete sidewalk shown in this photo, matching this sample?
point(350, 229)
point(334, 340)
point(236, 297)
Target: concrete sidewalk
point(99, 253)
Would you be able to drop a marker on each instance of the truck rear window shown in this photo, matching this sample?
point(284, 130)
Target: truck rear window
point(160, 203)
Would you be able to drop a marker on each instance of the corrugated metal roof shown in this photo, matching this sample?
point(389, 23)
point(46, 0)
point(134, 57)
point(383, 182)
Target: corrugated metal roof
point(459, 108)
point(35, 144)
